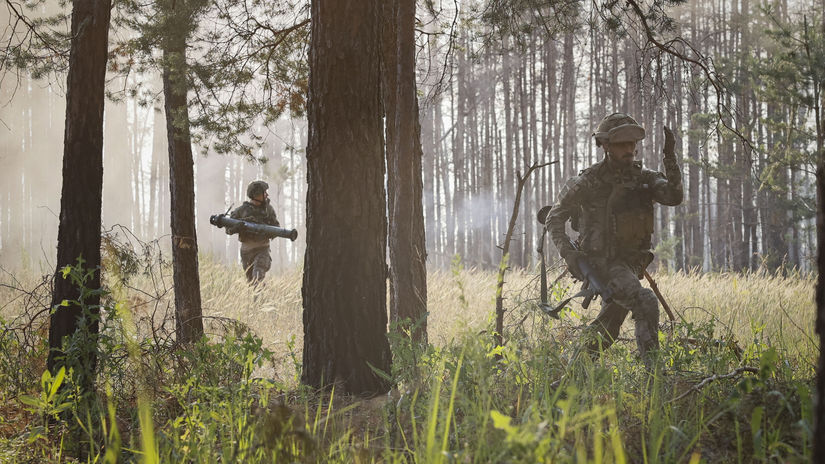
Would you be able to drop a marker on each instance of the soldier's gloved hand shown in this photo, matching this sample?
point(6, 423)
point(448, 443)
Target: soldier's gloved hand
point(571, 257)
point(670, 143)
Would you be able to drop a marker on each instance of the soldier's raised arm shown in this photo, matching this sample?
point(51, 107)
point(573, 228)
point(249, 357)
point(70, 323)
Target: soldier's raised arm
point(667, 188)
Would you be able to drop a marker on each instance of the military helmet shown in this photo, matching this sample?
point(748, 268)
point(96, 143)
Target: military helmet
point(618, 127)
point(256, 188)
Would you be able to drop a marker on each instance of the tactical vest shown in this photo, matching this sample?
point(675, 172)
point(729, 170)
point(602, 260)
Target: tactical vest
point(615, 217)
point(263, 214)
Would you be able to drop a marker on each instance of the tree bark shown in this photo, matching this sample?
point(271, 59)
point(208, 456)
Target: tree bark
point(819, 402)
point(189, 322)
point(80, 202)
point(407, 246)
point(819, 397)
point(344, 285)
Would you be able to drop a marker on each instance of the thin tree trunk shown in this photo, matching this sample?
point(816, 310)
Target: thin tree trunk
point(117, 184)
point(158, 180)
point(80, 202)
point(189, 322)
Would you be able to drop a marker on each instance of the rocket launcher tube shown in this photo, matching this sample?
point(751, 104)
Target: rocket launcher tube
point(222, 220)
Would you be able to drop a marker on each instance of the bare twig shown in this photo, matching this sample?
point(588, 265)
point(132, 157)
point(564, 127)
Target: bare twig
point(734, 373)
point(714, 79)
point(522, 180)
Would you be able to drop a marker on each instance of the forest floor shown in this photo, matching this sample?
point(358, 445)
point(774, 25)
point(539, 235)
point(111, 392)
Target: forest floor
point(733, 384)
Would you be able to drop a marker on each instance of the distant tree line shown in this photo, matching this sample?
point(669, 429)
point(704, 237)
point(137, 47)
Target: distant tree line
point(494, 101)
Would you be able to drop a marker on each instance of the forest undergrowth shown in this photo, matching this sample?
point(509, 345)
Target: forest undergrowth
point(733, 382)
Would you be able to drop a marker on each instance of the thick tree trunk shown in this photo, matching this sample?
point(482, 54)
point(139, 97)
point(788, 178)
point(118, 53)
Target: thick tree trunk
point(80, 202)
point(407, 246)
point(819, 397)
point(189, 322)
point(344, 286)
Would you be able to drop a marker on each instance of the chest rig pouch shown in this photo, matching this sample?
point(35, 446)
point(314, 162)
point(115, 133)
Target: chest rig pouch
point(629, 211)
point(616, 217)
point(632, 216)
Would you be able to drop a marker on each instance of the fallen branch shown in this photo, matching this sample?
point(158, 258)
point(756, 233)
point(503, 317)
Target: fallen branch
point(734, 373)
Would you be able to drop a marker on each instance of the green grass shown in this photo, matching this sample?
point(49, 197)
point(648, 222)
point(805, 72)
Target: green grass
point(236, 396)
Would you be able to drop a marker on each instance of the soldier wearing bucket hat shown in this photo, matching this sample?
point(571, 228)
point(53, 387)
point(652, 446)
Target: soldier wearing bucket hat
point(610, 204)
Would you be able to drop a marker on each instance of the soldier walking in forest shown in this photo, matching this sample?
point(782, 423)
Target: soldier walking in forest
point(610, 204)
point(255, 256)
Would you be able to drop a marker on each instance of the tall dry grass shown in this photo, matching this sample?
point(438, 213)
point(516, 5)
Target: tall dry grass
point(778, 309)
point(461, 399)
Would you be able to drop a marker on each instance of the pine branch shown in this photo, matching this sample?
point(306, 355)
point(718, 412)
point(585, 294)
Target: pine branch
point(714, 80)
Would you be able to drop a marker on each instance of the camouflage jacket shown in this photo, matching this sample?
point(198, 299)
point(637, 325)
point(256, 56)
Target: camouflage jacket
point(612, 209)
point(263, 214)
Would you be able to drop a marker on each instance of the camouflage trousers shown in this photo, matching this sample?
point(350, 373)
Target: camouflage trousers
point(256, 262)
point(629, 297)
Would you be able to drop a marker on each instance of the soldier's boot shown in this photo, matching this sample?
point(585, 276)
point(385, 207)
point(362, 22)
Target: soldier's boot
point(646, 317)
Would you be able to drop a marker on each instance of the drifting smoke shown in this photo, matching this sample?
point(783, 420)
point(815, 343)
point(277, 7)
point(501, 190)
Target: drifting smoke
point(135, 178)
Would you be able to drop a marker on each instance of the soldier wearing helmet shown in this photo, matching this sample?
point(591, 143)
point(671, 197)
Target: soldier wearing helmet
point(610, 204)
point(254, 247)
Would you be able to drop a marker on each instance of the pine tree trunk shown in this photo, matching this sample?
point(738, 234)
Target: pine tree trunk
point(460, 163)
point(819, 402)
point(158, 185)
point(428, 147)
point(774, 210)
point(137, 178)
point(819, 397)
point(80, 202)
point(344, 285)
point(117, 185)
point(188, 316)
point(210, 180)
point(524, 252)
point(407, 249)
point(448, 240)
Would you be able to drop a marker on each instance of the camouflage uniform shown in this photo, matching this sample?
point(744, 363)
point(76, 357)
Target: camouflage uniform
point(612, 208)
point(254, 247)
